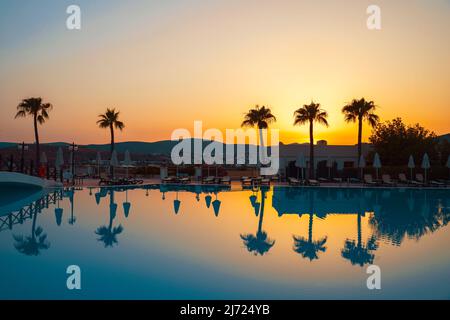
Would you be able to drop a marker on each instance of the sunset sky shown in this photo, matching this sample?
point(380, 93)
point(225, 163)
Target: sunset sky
point(164, 64)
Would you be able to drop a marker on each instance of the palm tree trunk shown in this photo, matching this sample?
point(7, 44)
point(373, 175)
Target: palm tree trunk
point(111, 168)
point(36, 137)
point(111, 202)
point(261, 146)
point(311, 150)
point(310, 230)
point(261, 214)
point(112, 138)
point(359, 230)
point(359, 138)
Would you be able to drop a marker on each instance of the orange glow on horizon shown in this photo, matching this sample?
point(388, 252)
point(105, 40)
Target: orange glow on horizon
point(176, 64)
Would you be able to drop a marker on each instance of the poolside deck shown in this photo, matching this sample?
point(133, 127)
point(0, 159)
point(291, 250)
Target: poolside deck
point(237, 185)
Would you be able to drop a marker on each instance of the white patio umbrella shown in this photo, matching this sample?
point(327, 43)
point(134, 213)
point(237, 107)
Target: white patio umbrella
point(114, 162)
point(448, 165)
point(127, 163)
point(59, 162)
point(425, 164)
point(411, 166)
point(362, 165)
point(330, 163)
point(99, 160)
point(163, 172)
point(376, 163)
point(198, 173)
point(300, 162)
point(44, 159)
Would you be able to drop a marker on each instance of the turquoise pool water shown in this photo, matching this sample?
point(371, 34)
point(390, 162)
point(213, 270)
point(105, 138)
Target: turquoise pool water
point(283, 243)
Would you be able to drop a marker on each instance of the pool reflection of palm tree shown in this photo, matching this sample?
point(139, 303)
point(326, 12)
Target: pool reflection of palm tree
point(36, 242)
point(259, 243)
point(72, 218)
point(108, 234)
point(309, 248)
point(357, 252)
point(395, 221)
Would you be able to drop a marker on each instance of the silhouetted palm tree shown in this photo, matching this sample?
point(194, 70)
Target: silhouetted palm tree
point(259, 117)
point(39, 111)
point(259, 243)
point(311, 113)
point(110, 119)
point(358, 111)
point(358, 252)
point(108, 234)
point(32, 245)
point(307, 247)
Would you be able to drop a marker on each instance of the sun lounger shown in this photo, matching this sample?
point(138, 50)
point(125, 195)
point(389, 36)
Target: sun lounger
point(184, 180)
point(246, 182)
point(387, 180)
point(171, 179)
point(368, 180)
point(209, 180)
point(313, 182)
point(225, 180)
point(420, 179)
point(294, 182)
point(437, 183)
point(402, 178)
point(265, 182)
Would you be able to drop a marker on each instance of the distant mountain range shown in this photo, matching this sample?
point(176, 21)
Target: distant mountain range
point(160, 147)
point(136, 147)
point(445, 137)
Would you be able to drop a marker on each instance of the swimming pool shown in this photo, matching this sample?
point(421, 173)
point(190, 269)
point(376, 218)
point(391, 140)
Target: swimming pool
point(161, 242)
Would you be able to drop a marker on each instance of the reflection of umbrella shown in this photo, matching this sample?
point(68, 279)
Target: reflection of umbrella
point(216, 206)
point(198, 191)
point(58, 213)
point(425, 164)
point(377, 163)
point(362, 164)
point(253, 199)
point(300, 163)
point(126, 205)
point(176, 205)
point(208, 199)
point(97, 198)
point(127, 161)
point(411, 166)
